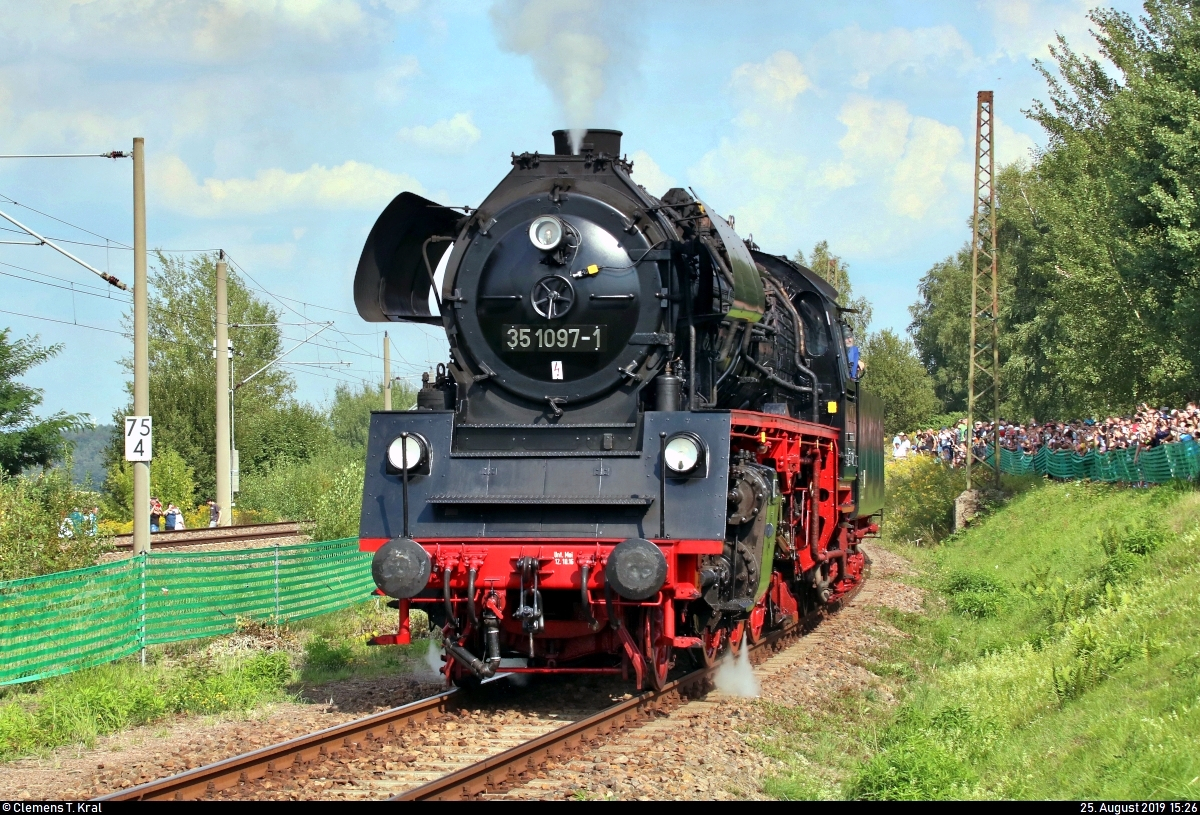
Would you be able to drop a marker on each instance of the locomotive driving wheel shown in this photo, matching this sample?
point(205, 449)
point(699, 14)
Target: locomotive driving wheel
point(736, 635)
point(657, 648)
point(755, 625)
point(714, 645)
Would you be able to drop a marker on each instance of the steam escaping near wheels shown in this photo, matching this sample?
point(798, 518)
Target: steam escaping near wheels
point(736, 677)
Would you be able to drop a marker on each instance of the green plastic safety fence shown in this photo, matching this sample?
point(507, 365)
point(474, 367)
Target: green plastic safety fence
point(203, 594)
point(58, 623)
point(1153, 465)
point(61, 622)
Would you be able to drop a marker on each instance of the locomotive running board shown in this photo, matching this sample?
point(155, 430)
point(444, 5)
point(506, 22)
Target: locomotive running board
point(560, 500)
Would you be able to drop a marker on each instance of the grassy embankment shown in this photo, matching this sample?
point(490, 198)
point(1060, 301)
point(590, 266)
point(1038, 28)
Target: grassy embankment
point(256, 666)
point(1058, 655)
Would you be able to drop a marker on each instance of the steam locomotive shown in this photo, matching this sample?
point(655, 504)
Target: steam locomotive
point(647, 441)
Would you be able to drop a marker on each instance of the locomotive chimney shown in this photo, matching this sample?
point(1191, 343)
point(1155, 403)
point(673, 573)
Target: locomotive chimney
point(594, 141)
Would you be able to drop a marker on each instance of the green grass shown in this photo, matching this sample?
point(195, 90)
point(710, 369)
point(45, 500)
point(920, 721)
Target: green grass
point(335, 644)
point(201, 677)
point(1059, 658)
point(79, 707)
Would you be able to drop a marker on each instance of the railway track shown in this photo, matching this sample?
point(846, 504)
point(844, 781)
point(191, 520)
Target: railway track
point(221, 534)
point(451, 746)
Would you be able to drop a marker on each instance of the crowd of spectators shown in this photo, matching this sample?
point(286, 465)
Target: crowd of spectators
point(1147, 427)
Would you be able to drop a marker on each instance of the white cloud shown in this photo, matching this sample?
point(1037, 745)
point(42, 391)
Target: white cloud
point(237, 25)
point(201, 30)
point(647, 173)
point(391, 83)
point(1012, 146)
point(351, 185)
point(868, 54)
point(62, 128)
point(277, 255)
point(910, 157)
point(453, 135)
point(919, 180)
point(1025, 29)
point(875, 130)
point(764, 187)
point(876, 133)
point(776, 81)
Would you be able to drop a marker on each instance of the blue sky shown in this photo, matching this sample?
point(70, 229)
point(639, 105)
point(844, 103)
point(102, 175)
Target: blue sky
point(278, 130)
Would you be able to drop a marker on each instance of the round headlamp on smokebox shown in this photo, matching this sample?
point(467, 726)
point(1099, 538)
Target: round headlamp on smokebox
point(684, 455)
point(636, 569)
point(414, 448)
point(401, 568)
point(546, 233)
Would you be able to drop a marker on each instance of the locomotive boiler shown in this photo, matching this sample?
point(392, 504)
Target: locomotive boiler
point(646, 442)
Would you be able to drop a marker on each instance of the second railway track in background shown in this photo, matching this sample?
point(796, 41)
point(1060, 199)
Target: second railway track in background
point(220, 534)
point(391, 765)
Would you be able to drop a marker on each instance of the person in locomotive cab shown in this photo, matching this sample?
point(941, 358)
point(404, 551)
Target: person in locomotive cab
point(854, 358)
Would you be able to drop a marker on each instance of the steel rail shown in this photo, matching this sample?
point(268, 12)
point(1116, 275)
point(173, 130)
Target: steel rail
point(249, 766)
point(492, 774)
point(197, 537)
point(496, 773)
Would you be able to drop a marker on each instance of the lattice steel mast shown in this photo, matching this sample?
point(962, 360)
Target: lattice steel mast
point(984, 374)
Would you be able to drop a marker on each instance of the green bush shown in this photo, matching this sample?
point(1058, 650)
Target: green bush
point(291, 490)
point(1125, 547)
point(973, 593)
point(32, 509)
point(339, 509)
point(208, 687)
point(916, 761)
point(920, 500)
point(322, 655)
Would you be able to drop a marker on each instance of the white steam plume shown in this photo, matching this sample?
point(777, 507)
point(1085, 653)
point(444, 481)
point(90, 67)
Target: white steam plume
point(735, 676)
point(575, 45)
point(433, 657)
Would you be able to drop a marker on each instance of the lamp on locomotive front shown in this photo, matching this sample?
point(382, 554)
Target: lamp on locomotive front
point(546, 233)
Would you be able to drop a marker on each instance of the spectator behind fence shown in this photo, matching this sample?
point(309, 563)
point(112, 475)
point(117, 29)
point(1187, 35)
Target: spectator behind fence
point(156, 515)
point(1146, 427)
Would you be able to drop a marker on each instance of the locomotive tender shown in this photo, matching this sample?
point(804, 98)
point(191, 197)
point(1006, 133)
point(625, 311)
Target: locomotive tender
point(647, 440)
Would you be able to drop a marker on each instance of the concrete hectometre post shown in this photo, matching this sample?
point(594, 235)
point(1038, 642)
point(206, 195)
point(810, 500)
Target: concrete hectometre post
point(224, 477)
point(387, 373)
point(141, 347)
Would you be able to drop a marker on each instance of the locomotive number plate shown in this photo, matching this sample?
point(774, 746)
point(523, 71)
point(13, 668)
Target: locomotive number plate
point(556, 338)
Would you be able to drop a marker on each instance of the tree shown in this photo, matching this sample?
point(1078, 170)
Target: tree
point(268, 422)
point(25, 440)
point(350, 411)
point(171, 482)
point(1102, 232)
point(836, 272)
point(895, 374)
point(941, 327)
